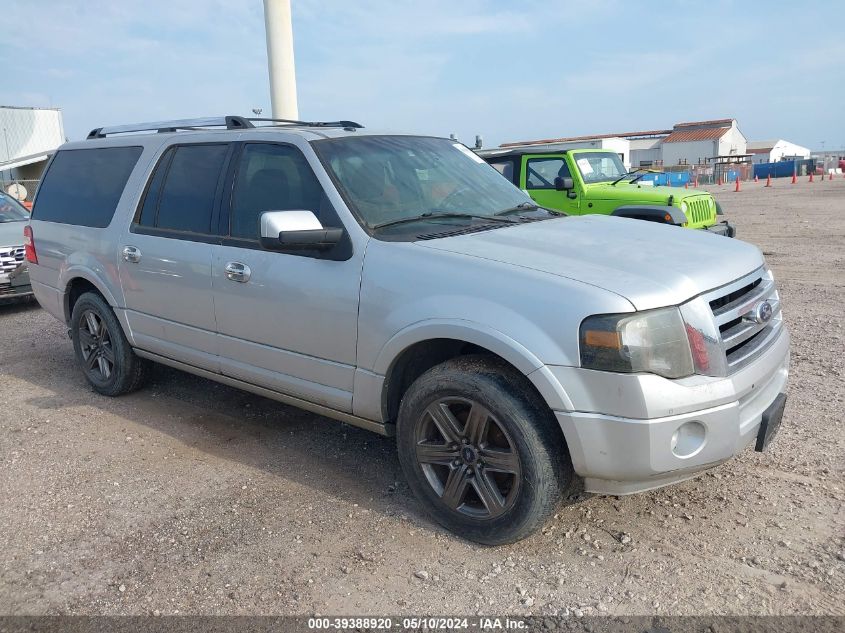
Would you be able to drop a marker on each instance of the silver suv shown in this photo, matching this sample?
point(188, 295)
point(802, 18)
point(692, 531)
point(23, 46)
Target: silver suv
point(14, 279)
point(400, 284)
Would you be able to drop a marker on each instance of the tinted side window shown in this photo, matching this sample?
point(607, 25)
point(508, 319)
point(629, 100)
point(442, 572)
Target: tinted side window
point(271, 178)
point(543, 171)
point(149, 209)
point(83, 186)
point(187, 198)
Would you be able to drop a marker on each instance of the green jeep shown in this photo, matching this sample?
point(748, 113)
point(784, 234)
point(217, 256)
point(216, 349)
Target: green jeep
point(580, 181)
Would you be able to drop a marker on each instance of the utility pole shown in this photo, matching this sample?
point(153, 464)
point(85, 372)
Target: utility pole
point(277, 22)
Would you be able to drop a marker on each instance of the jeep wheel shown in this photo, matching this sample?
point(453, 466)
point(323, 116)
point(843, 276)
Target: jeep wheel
point(482, 450)
point(101, 348)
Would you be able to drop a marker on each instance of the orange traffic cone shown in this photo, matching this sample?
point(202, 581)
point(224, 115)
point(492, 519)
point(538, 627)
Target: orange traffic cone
point(794, 178)
point(769, 180)
point(756, 179)
point(719, 182)
point(830, 176)
point(668, 180)
point(811, 177)
point(737, 184)
point(695, 182)
point(686, 185)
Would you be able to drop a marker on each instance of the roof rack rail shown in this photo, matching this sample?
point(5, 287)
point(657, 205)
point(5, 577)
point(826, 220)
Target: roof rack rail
point(349, 124)
point(231, 122)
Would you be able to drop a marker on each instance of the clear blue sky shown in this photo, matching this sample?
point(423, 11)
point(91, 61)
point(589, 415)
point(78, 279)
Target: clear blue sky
point(506, 70)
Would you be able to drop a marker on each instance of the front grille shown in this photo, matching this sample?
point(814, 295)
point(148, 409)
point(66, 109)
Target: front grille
point(734, 309)
point(698, 210)
point(11, 258)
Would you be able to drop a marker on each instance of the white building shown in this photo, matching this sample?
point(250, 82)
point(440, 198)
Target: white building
point(29, 137)
point(776, 151)
point(694, 143)
point(646, 151)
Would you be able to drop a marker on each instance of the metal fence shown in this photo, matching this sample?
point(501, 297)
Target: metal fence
point(701, 174)
point(785, 168)
point(22, 190)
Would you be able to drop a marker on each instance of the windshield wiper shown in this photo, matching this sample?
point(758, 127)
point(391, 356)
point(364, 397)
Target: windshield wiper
point(434, 216)
point(522, 206)
point(630, 173)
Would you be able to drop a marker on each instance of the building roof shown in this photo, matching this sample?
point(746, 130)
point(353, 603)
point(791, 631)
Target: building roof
point(548, 141)
point(711, 123)
point(8, 107)
point(760, 147)
point(701, 130)
point(24, 160)
point(704, 134)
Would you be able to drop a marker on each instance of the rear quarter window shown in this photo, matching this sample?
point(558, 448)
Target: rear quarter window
point(505, 168)
point(83, 186)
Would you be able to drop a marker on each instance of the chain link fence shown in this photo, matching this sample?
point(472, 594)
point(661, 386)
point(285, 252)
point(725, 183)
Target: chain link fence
point(21, 190)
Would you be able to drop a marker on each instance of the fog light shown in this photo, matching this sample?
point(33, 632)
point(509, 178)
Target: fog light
point(688, 439)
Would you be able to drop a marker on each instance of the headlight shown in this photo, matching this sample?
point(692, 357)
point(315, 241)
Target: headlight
point(654, 341)
point(684, 207)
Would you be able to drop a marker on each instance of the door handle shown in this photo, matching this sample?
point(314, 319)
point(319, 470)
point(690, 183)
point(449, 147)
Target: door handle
point(131, 254)
point(236, 271)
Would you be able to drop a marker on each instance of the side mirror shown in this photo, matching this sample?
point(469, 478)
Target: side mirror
point(564, 184)
point(296, 230)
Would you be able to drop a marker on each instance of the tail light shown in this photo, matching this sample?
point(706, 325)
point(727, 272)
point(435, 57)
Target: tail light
point(29, 245)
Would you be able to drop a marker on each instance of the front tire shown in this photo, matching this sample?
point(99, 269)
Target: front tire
point(101, 348)
point(482, 450)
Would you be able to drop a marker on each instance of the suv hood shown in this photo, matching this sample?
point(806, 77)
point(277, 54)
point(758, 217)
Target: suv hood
point(652, 265)
point(11, 233)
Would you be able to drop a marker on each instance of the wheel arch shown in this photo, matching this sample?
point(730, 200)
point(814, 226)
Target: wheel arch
point(416, 349)
point(80, 280)
point(662, 214)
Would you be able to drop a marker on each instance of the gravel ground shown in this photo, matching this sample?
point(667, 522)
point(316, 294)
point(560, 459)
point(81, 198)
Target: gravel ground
point(190, 497)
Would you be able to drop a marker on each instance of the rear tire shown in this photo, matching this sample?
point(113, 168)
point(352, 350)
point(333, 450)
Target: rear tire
point(482, 450)
point(101, 348)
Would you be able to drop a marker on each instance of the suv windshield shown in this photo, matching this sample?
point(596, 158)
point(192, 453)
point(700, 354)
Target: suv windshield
point(11, 210)
point(391, 178)
point(599, 166)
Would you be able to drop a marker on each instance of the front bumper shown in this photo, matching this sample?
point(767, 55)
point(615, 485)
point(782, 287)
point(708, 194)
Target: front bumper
point(722, 228)
point(621, 433)
point(16, 284)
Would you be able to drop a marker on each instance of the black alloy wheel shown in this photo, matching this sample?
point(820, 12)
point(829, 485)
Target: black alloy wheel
point(468, 458)
point(96, 346)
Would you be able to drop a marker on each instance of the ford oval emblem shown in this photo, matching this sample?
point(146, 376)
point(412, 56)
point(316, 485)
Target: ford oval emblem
point(763, 312)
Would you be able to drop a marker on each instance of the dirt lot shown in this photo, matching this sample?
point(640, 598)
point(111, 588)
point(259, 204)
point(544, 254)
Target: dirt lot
point(189, 497)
